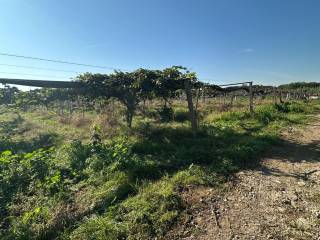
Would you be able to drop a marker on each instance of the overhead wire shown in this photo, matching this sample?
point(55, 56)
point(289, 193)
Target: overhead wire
point(38, 68)
point(36, 75)
point(59, 61)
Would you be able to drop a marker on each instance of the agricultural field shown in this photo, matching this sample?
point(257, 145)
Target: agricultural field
point(85, 173)
point(159, 120)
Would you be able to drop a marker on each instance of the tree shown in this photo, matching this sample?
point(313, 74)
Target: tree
point(176, 78)
point(128, 87)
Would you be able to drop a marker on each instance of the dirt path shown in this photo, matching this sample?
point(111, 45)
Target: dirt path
point(281, 200)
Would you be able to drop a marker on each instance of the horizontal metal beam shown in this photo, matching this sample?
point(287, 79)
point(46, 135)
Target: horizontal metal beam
point(41, 83)
point(232, 84)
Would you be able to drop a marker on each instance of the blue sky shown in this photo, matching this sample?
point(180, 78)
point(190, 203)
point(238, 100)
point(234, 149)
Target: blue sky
point(265, 41)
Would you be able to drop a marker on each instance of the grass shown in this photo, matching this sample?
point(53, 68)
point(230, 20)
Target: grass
point(147, 214)
point(126, 187)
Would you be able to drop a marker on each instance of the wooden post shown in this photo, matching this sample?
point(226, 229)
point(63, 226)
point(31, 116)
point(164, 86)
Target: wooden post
point(250, 98)
point(280, 96)
point(231, 99)
point(274, 96)
point(192, 114)
point(204, 95)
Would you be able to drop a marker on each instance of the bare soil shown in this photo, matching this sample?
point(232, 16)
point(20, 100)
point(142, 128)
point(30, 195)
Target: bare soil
point(278, 200)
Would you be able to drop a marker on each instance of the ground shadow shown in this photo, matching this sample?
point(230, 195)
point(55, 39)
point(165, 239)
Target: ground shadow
point(9, 127)
point(44, 140)
point(288, 151)
point(223, 150)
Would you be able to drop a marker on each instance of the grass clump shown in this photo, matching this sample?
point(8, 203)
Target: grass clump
point(148, 214)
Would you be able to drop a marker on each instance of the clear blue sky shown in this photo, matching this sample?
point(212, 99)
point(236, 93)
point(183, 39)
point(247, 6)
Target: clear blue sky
point(267, 41)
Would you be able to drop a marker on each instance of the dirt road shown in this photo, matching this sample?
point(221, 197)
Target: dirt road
point(280, 200)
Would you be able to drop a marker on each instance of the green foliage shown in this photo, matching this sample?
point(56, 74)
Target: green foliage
point(74, 156)
point(195, 175)
point(96, 141)
point(300, 85)
point(150, 212)
point(97, 228)
point(23, 175)
point(143, 216)
point(294, 107)
point(130, 88)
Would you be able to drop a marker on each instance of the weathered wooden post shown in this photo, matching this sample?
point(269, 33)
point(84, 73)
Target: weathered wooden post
point(204, 95)
point(288, 97)
point(192, 113)
point(274, 96)
point(250, 98)
point(231, 99)
point(280, 96)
